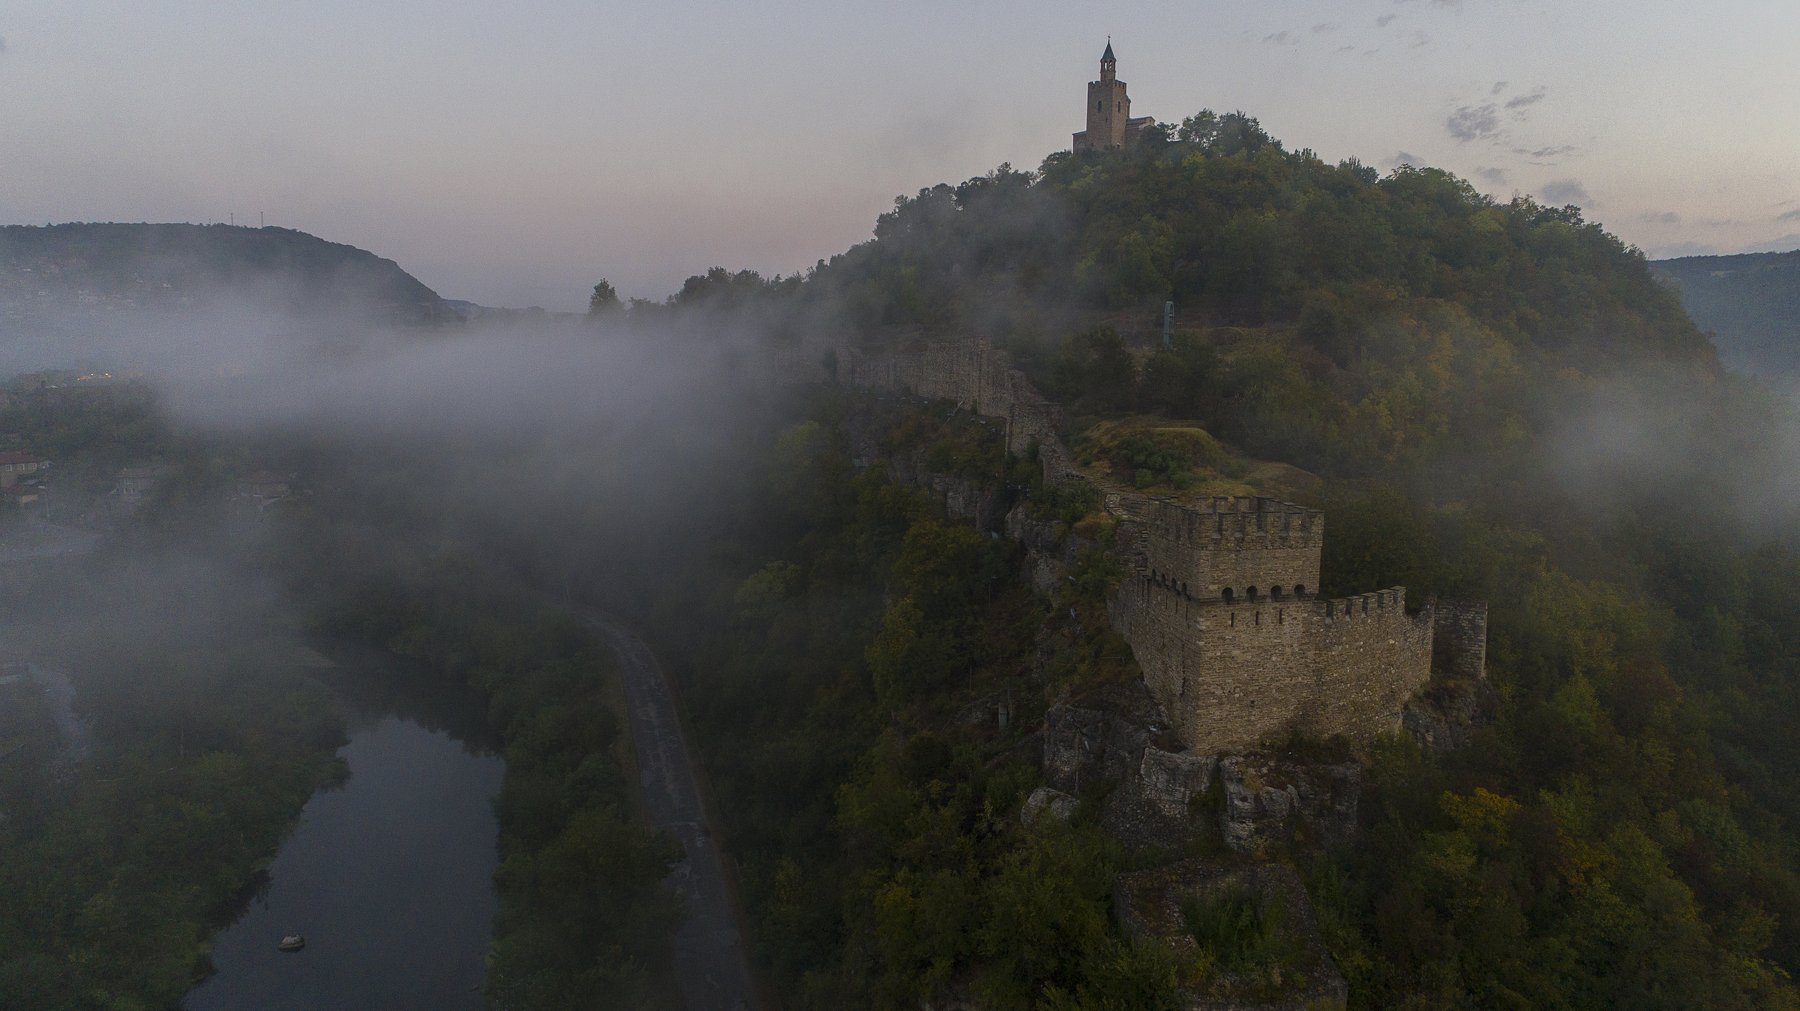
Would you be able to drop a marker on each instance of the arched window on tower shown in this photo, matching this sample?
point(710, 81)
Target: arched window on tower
point(1251, 594)
point(1227, 595)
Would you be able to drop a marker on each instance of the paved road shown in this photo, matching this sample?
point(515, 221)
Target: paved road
point(710, 960)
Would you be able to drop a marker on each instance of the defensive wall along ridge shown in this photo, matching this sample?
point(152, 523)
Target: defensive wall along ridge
point(1219, 602)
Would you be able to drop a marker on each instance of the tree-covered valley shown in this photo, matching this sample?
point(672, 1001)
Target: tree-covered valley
point(1488, 401)
point(1748, 303)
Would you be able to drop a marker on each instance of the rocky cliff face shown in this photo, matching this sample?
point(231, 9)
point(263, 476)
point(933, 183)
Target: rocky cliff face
point(1447, 714)
point(1274, 801)
point(1254, 804)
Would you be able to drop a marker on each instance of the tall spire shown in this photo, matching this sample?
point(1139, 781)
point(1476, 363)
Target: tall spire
point(1107, 57)
point(1109, 64)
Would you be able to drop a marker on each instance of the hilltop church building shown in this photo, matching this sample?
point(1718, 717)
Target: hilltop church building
point(1110, 125)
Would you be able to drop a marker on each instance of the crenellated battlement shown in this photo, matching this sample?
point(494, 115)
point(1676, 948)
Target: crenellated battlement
point(1223, 518)
point(1381, 603)
point(1224, 548)
point(1218, 602)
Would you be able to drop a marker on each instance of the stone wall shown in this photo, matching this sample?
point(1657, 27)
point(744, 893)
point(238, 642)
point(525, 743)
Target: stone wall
point(1233, 676)
point(1252, 547)
point(974, 374)
point(1459, 643)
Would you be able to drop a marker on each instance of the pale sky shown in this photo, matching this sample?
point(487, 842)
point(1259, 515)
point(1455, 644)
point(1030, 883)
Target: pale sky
point(514, 153)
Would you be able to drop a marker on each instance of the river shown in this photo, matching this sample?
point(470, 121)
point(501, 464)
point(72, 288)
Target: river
point(388, 877)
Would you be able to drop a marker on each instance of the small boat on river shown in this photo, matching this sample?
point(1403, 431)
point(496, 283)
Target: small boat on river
point(292, 942)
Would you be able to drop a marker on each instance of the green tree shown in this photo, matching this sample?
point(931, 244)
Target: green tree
point(604, 301)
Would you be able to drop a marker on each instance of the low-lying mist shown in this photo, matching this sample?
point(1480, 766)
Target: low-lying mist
point(551, 443)
point(1719, 451)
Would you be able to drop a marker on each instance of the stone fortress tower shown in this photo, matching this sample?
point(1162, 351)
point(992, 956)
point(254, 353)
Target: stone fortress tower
point(1219, 598)
point(1110, 126)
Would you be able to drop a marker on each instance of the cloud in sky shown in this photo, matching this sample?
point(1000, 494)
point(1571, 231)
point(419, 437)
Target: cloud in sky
point(1566, 191)
point(1790, 216)
point(1492, 176)
point(1407, 158)
point(1544, 155)
point(1330, 26)
point(1529, 99)
point(1660, 217)
point(1281, 38)
point(1499, 86)
point(1474, 122)
point(1385, 20)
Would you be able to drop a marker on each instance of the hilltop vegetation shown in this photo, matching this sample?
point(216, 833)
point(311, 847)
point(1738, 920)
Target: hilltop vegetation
point(1240, 232)
point(1751, 305)
point(1327, 316)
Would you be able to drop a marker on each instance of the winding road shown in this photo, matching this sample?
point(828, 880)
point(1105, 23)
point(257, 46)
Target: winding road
point(710, 957)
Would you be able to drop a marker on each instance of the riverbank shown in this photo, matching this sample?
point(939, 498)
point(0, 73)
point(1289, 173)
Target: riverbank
point(190, 771)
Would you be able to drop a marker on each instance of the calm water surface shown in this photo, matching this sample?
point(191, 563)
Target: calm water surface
point(389, 878)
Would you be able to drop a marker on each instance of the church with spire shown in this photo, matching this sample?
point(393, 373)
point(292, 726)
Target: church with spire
point(1110, 126)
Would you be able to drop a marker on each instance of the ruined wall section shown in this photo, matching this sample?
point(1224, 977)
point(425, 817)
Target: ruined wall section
point(1459, 643)
point(974, 374)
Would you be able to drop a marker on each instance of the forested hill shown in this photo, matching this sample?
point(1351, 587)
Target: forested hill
point(54, 269)
point(1750, 302)
point(1490, 401)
